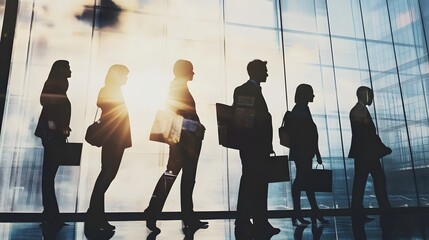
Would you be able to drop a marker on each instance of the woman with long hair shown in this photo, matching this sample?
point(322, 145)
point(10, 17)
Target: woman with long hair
point(304, 146)
point(53, 128)
point(117, 137)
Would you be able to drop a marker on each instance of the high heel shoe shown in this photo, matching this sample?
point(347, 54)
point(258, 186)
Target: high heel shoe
point(301, 221)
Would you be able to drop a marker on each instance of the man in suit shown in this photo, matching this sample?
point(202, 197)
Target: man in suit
point(366, 149)
point(255, 147)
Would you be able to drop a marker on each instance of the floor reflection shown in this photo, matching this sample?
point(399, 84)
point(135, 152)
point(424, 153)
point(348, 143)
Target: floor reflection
point(404, 226)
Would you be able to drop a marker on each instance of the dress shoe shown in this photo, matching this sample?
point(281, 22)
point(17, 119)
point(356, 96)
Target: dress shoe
point(301, 221)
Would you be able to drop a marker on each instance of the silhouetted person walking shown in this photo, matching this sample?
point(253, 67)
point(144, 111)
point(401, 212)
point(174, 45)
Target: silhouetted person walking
point(366, 149)
point(117, 133)
point(304, 146)
point(53, 128)
point(183, 155)
point(255, 148)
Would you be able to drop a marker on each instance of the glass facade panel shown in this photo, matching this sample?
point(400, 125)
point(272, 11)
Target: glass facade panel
point(335, 46)
point(411, 55)
point(2, 5)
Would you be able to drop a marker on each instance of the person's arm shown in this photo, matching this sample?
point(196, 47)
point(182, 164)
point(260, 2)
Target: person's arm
point(47, 99)
point(50, 95)
point(318, 157)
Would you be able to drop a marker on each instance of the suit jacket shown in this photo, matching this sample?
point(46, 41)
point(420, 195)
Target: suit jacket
point(304, 135)
point(260, 137)
point(366, 144)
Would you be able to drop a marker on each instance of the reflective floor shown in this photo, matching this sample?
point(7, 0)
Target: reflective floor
point(402, 226)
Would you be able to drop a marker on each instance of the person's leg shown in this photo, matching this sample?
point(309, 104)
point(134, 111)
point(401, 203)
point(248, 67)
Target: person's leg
point(359, 182)
point(315, 211)
point(49, 169)
point(260, 190)
point(296, 195)
point(111, 157)
point(306, 173)
point(380, 188)
point(163, 187)
point(297, 186)
point(245, 193)
point(190, 162)
point(262, 227)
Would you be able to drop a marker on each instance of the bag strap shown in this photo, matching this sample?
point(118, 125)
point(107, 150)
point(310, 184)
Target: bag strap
point(323, 166)
point(284, 117)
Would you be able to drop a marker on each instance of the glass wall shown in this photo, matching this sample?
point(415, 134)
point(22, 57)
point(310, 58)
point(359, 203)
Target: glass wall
point(2, 5)
point(335, 46)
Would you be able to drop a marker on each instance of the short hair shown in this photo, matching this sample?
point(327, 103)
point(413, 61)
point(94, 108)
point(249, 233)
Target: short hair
point(256, 66)
point(303, 94)
point(182, 68)
point(362, 91)
point(114, 71)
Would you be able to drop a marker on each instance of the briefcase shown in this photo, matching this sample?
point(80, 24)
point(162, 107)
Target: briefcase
point(277, 169)
point(228, 133)
point(71, 154)
point(320, 180)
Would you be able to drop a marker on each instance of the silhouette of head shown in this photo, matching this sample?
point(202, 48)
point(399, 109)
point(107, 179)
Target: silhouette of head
point(59, 70)
point(365, 95)
point(304, 94)
point(117, 75)
point(257, 70)
point(183, 69)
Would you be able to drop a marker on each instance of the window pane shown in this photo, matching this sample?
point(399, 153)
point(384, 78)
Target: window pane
point(379, 45)
point(389, 104)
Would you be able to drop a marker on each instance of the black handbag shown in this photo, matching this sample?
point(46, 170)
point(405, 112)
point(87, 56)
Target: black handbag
point(284, 133)
point(71, 154)
point(95, 133)
point(277, 169)
point(320, 180)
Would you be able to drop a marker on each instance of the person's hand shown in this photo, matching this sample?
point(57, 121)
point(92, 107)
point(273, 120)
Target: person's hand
point(388, 150)
point(66, 132)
